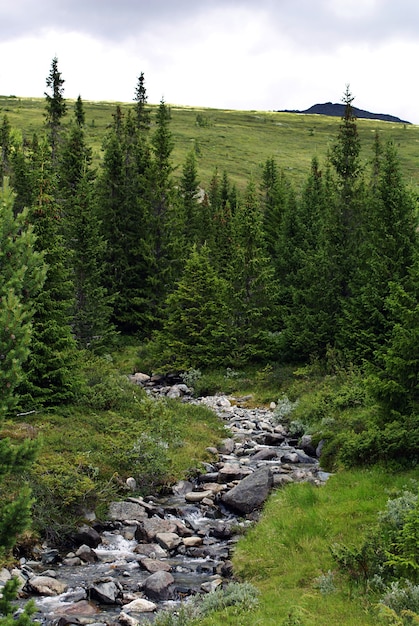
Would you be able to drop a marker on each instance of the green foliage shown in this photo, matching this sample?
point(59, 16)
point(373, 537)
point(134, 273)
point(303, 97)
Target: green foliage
point(9, 614)
point(22, 275)
point(242, 596)
point(196, 332)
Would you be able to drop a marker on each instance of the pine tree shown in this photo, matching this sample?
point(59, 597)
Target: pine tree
point(196, 330)
point(51, 373)
point(124, 202)
point(142, 114)
point(5, 147)
point(307, 290)
point(252, 285)
point(91, 317)
point(386, 254)
point(22, 273)
point(56, 106)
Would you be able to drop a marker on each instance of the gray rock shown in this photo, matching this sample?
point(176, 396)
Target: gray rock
point(149, 528)
point(46, 585)
point(87, 554)
point(226, 446)
point(168, 541)
point(232, 471)
point(106, 591)
point(86, 535)
point(159, 586)
point(153, 565)
point(122, 511)
point(251, 492)
point(265, 454)
point(140, 605)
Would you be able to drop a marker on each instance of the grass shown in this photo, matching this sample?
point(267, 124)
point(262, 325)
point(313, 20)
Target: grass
point(289, 549)
point(235, 141)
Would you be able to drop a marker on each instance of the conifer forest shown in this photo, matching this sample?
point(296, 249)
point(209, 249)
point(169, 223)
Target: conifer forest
point(133, 250)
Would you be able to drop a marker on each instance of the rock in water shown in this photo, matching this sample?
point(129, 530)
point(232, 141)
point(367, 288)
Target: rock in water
point(251, 492)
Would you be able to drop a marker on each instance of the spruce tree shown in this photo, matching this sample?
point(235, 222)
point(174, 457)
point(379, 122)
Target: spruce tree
point(277, 198)
point(124, 201)
point(5, 147)
point(305, 269)
point(394, 379)
point(345, 159)
point(22, 276)
point(92, 306)
point(142, 114)
point(22, 273)
point(386, 254)
point(56, 107)
point(51, 372)
point(252, 294)
point(196, 330)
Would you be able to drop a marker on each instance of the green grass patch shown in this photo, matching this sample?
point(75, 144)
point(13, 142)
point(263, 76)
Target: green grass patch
point(237, 142)
point(288, 552)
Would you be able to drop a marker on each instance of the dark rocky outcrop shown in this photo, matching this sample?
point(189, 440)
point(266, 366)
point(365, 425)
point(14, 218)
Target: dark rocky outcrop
point(338, 110)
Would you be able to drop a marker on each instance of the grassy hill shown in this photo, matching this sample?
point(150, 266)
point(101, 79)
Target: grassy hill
point(235, 141)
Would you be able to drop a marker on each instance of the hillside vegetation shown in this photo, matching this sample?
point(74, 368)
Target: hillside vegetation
point(238, 142)
point(293, 278)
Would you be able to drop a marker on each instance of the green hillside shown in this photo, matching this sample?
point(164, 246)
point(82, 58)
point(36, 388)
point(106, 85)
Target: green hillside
point(234, 141)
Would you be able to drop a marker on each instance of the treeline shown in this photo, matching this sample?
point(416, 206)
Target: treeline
point(208, 278)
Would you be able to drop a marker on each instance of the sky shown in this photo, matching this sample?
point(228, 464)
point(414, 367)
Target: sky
point(229, 54)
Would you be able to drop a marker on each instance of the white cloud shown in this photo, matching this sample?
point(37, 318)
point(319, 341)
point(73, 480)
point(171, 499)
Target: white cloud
point(248, 55)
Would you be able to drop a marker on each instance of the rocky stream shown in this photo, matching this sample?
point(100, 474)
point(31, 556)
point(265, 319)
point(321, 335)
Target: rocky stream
point(153, 553)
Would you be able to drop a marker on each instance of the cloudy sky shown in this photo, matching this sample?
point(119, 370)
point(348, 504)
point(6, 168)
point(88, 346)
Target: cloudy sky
point(238, 54)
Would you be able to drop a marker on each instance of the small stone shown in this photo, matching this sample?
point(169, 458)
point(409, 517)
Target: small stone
point(192, 542)
point(197, 496)
point(140, 605)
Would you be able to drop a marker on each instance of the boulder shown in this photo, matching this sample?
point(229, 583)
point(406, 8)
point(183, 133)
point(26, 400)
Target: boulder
point(86, 554)
point(149, 528)
point(86, 535)
point(46, 586)
point(251, 492)
point(140, 605)
point(121, 511)
point(151, 550)
point(106, 591)
point(159, 586)
point(232, 471)
point(153, 565)
point(168, 541)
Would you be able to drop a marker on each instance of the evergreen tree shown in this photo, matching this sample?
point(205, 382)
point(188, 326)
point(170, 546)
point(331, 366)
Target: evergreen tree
point(22, 275)
point(91, 317)
point(79, 113)
point(56, 106)
point(196, 331)
point(386, 254)
point(124, 202)
point(252, 284)
point(22, 272)
point(51, 374)
point(307, 290)
point(162, 214)
point(345, 158)
point(142, 114)
point(394, 381)
point(277, 198)
point(190, 208)
point(5, 147)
